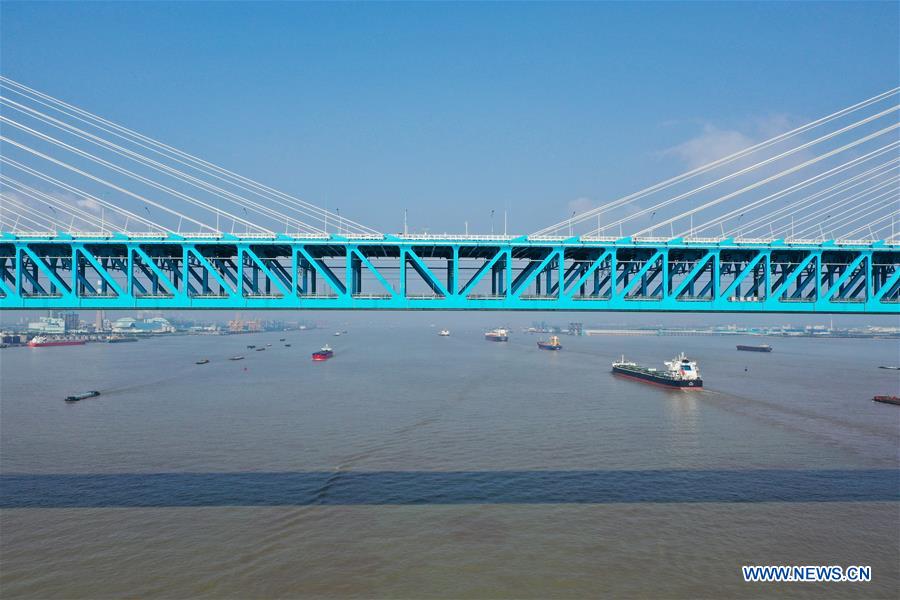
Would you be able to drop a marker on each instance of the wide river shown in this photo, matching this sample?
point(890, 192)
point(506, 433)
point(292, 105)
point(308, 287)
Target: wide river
point(417, 466)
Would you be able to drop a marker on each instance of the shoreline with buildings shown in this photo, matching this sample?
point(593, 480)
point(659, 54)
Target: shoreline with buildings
point(813, 331)
point(147, 325)
point(57, 325)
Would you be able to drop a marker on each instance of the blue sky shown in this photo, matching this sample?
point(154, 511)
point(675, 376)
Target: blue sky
point(451, 110)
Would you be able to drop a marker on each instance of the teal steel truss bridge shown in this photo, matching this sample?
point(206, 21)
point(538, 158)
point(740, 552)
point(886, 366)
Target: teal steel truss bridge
point(449, 274)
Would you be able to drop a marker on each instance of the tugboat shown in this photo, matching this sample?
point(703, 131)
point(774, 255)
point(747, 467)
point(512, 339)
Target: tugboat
point(761, 348)
point(444, 333)
point(551, 344)
point(324, 354)
point(497, 335)
point(77, 397)
point(680, 373)
point(202, 361)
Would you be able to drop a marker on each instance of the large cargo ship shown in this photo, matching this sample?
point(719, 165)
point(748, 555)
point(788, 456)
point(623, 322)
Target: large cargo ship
point(44, 341)
point(551, 344)
point(497, 335)
point(760, 348)
point(680, 372)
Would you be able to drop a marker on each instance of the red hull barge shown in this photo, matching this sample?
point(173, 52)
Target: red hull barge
point(45, 342)
point(324, 354)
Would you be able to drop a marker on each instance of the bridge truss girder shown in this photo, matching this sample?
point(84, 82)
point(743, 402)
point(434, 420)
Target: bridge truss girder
point(402, 274)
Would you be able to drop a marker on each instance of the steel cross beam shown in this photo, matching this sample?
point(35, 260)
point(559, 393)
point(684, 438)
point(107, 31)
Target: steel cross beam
point(66, 271)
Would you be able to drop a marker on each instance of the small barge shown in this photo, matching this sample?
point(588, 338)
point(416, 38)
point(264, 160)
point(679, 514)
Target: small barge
point(551, 344)
point(759, 348)
point(77, 397)
point(497, 335)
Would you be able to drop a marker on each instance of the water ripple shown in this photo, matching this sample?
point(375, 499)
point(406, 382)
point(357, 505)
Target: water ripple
point(453, 487)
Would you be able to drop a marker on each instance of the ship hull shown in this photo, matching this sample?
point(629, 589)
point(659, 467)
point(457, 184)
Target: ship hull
point(322, 355)
point(887, 399)
point(659, 379)
point(62, 343)
point(496, 338)
point(544, 346)
point(754, 348)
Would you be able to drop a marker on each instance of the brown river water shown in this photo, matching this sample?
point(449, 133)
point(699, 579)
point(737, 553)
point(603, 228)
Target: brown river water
point(415, 466)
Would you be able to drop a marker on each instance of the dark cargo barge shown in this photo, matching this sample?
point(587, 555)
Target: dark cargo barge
point(761, 348)
point(85, 395)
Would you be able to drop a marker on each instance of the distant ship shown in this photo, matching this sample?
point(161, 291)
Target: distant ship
point(202, 361)
point(120, 339)
point(760, 348)
point(236, 358)
point(680, 372)
point(891, 367)
point(444, 332)
point(551, 344)
point(497, 335)
point(324, 354)
point(77, 397)
point(337, 334)
point(44, 341)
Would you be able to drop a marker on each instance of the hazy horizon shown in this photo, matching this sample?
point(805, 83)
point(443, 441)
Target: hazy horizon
point(495, 318)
